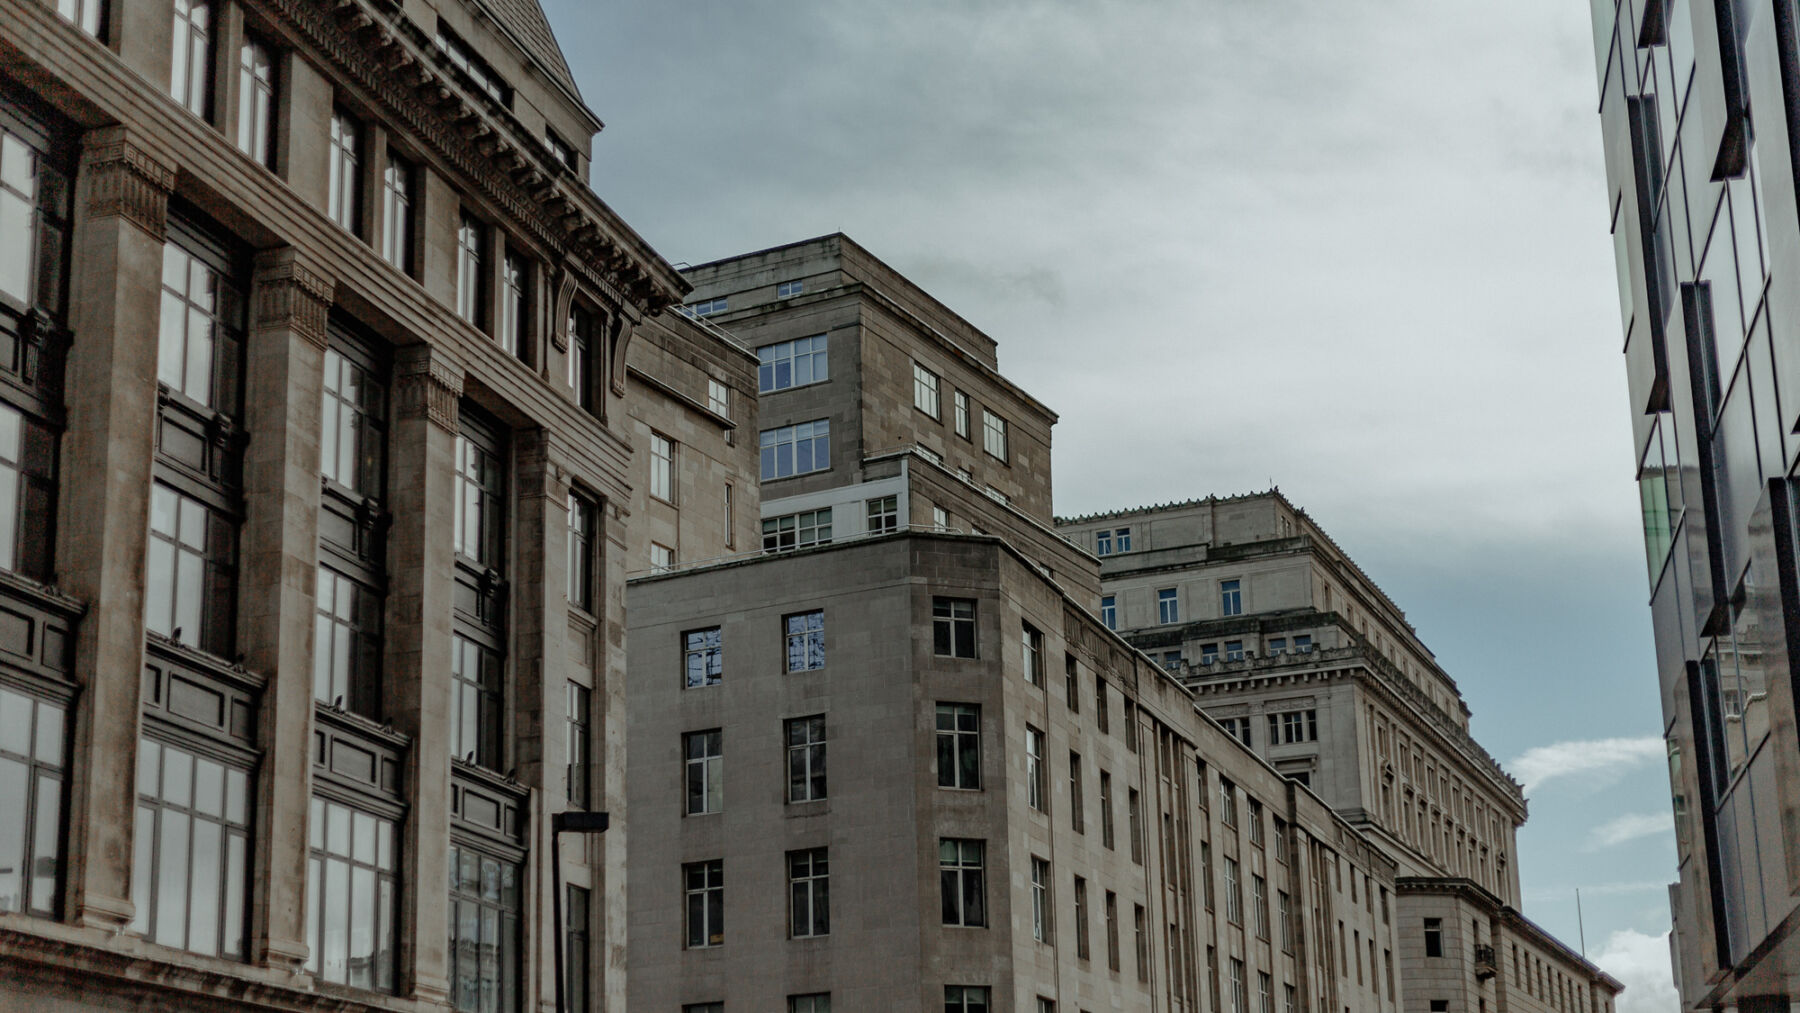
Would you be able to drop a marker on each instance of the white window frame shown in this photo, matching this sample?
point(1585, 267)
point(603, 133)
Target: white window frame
point(925, 391)
point(993, 436)
point(662, 467)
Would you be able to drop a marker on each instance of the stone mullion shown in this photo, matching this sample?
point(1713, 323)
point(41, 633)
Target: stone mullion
point(285, 364)
point(104, 503)
point(422, 447)
point(541, 622)
point(608, 869)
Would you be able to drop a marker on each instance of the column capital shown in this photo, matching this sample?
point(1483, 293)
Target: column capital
point(126, 180)
point(427, 385)
point(289, 294)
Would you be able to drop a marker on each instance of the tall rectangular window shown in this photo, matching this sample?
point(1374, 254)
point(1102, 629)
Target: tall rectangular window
point(1036, 791)
point(705, 885)
point(190, 66)
point(703, 657)
point(1081, 919)
point(1032, 660)
point(189, 581)
point(798, 449)
point(1231, 598)
point(1284, 917)
point(515, 306)
point(959, 745)
point(1228, 803)
point(718, 398)
point(31, 782)
point(1265, 993)
point(809, 893)
point(953, 627)
point(351, 894)
point(1077, 820)
point(1106, 810)
point(486, 904)
point(1109, 611)
point(578, 748)
point(1168, 606)
point(578, 910)
point(1142, 938)
point(1071, 685)
point(705, 772)
point(925, 390)
point(805, 634)
point(813, 1002)
point(1135, 816)
point(1101, 719)
point(1040, 900)
point(1234, 893)
point(347, 632)
point(806, 758)
point(793, 363)
point(256, 101)
point(583, 521)
point(478, 634)
point(962, 415)
point(993, 435)
point(192, 865)
point(471, 252)
point(1112, 930)
point(581, 358)
point(1237, 986)
point(1434, 937)
point(962, 881)
point(662, 467)
point(1259, 905)
point(35, 198)
point(397, 212)
point(343, 203)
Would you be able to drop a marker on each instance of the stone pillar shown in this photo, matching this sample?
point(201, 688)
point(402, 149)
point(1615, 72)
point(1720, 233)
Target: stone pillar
point(541, 625)
point(277, 582)
point(422, 448)
point(122, 200)
point(609, 747)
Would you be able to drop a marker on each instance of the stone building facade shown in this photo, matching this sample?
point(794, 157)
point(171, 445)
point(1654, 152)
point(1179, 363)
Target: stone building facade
point(1290, 645)
point(1696, 105)
point(859, 775)
point(319, 404)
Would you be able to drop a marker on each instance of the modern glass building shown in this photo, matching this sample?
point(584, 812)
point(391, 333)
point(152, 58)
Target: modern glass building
point(1699, 101)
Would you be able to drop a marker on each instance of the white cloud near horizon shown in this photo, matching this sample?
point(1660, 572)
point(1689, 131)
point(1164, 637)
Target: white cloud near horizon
point(1629, 827)
point(1594, 757)
point(1641, 962)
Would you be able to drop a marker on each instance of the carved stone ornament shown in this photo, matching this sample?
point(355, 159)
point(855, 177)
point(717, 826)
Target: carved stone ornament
point(426, 387)
point(288, 294)
point(125, 181)
point(565, 303)
point(622, 328)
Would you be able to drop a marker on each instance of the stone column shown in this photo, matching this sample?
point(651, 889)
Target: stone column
point(541, 625)
point(277, 583)
point(122, 200)
point(609, 748)
point(422, 447)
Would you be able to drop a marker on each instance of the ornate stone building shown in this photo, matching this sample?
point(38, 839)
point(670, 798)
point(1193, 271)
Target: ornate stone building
point(888, 757)
point(1286, 642)
point(320, 366)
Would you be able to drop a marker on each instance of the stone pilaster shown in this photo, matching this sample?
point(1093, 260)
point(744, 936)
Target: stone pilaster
point(422, 448)
point(121, 214)
point(541, 626)
point(276, 589)
point(609, 747)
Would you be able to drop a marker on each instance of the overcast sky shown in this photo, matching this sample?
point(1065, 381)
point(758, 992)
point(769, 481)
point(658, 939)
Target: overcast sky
point(1354, 248)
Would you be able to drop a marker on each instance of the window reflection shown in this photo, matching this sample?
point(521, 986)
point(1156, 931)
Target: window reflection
point(350, 895)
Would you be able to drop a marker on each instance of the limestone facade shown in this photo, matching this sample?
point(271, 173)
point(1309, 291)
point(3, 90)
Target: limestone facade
point(318, 482)
point(1290, 645)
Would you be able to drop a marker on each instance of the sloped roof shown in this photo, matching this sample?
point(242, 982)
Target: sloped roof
point(525, 20)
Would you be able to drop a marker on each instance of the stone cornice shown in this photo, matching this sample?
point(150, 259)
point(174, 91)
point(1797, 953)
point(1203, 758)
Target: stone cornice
point(126, 181)
point(391, 61)
point(427, 386)
point(288, 294)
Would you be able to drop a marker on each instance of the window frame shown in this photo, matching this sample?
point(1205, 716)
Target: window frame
point(771, 357)
point(345, 153)
point(809, 893)
point(258, 91)
point(955, 627)
point(707, 768)
point(926, 392)
point(962, 879)
point(711, 656)
point(806, 759)
point(805, 631)
point(994, 435)
point(964, 745)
